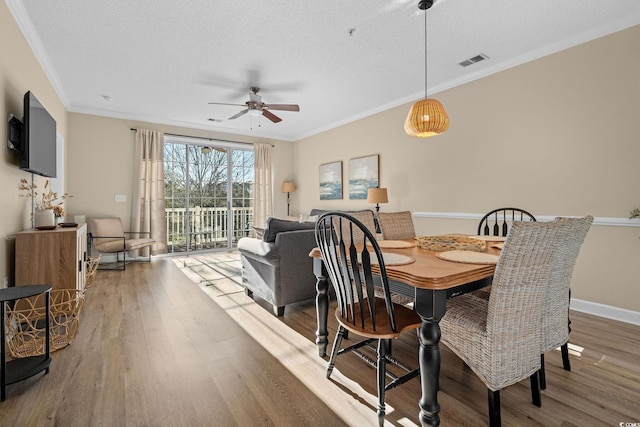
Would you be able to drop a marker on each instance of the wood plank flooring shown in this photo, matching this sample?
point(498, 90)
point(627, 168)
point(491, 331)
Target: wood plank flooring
point(177, 343)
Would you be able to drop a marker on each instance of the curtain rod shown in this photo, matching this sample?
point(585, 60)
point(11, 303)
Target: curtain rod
point(205, 138)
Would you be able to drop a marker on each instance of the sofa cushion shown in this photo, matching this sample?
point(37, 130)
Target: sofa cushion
point(275, 226)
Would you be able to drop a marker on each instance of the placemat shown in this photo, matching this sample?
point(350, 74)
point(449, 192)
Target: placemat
point(489, 238)
point(390, 259)
point(395, 244)
point(469, 257)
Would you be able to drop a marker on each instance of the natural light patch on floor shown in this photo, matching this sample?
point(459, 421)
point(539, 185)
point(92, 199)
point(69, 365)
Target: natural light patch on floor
point(575, 350)
point(347, 398)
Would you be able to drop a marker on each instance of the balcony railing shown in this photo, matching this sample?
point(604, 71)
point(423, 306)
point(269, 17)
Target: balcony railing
point(206, 228)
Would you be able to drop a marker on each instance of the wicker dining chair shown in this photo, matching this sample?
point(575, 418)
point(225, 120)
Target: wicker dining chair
point(396, 225)
point(555, 323)
point(359, 310)
point(366, 218)
point(500, 338)
point(496, 222)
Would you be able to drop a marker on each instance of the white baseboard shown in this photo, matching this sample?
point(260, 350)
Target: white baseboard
point(607, 311)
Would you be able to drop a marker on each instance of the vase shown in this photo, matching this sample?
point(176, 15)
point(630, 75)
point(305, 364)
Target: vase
point(43, 219)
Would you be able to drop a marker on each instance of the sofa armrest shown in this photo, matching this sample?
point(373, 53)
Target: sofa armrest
point(259, 250)
point(294, 248)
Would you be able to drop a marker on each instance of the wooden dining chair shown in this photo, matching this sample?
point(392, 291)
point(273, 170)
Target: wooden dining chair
point(500, 338)
point(497, 222)
point(350, 268)
point(396, 225)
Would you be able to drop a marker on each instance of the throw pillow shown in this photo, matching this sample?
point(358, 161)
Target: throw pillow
point(275, 226)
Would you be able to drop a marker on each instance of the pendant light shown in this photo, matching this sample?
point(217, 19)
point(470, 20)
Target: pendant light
point(426, 117)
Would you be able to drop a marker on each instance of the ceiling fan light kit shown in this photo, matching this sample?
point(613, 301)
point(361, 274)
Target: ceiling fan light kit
point(426, 117)
point(257, 108)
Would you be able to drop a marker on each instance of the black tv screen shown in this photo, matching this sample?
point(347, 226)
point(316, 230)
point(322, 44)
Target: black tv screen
point(38, 139)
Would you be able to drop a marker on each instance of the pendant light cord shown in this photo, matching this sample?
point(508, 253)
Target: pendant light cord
point(425, 54)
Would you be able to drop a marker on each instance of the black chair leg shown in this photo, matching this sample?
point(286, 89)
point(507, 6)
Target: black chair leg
point(494, 408)
point(566, 364)
point(535, 390)
point(382, 374)
point(337, 342)
point(542, 374)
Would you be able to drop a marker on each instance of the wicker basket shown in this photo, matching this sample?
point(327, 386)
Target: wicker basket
point(448, 242)
point(25, 322)
point(91, 269)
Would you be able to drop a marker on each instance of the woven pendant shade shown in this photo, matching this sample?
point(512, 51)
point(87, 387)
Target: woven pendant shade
point(426, 118)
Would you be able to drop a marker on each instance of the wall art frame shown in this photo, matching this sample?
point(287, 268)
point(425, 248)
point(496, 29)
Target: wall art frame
point(364, 173)
point(330, 175)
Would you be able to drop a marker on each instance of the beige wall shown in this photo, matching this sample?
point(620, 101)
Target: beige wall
point(20, 72)
point(100, 163)
point(556, 136)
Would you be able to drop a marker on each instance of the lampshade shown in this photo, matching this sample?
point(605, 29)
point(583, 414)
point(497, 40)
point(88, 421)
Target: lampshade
point(254, 112)
point(288, 187)
point(377, 195)
point(426, 118)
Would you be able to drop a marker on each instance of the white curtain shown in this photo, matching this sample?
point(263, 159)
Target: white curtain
point(148, 190)
point(263, 187)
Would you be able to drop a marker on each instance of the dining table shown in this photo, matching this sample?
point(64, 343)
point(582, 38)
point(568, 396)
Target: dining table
point(430, 280)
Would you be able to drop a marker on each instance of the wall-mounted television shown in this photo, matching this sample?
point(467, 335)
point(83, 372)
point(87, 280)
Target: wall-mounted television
point(38, 153)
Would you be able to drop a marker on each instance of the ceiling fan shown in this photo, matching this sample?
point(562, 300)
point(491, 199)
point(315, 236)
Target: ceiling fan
point(255, 107)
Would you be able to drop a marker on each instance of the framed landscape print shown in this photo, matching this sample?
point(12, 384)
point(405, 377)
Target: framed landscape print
point(363, 174)
point(331, 181)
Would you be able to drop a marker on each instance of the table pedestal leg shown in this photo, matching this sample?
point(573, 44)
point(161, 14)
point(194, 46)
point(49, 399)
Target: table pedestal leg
point(322, 306)
point(429, 335)
point(430, 306)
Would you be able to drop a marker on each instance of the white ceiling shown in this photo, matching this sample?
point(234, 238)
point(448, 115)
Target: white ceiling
point(162, 61)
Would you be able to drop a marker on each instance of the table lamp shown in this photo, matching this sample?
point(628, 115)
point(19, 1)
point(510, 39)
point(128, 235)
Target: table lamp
point(288, 187)
point(377, 196)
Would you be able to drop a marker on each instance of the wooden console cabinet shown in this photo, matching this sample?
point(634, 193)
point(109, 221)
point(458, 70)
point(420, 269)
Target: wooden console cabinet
point(54, 257)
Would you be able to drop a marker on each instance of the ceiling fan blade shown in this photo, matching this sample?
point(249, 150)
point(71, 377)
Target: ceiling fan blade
point(284, 107)
point(269, 115)
point(211, 119)
point(224, 103)
point(235, 116)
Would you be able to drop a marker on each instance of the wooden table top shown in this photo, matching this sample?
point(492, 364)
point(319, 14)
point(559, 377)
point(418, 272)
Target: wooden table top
point(430, 272)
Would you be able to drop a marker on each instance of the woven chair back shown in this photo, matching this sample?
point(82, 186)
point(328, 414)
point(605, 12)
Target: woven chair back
point(366, 218)
point(513, 322)
point(345, 244)
point(396, 225)
point(555, 325)
point(497, 222)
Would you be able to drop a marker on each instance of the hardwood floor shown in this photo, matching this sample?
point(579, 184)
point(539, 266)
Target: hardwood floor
point(177, 343)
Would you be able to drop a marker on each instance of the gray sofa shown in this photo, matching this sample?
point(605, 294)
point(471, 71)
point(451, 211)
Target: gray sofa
point(277, 268)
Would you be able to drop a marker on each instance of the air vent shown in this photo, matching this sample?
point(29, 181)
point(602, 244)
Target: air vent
point(473, 60)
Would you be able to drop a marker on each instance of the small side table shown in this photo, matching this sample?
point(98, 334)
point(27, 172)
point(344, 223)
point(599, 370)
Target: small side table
point(21, 369)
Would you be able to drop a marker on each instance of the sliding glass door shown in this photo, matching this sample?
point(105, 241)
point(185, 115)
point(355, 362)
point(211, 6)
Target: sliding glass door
point(208, 194)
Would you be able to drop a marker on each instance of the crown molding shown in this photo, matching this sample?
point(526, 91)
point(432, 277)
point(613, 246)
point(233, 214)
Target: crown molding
point(21, 17)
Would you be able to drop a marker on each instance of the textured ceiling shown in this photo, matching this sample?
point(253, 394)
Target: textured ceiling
point(162, 61)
